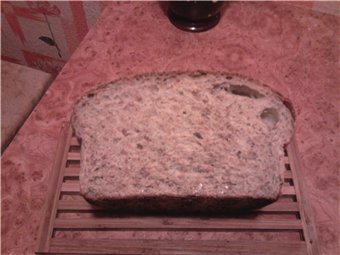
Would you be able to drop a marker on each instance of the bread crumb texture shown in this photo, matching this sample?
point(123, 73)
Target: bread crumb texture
point(182, 141)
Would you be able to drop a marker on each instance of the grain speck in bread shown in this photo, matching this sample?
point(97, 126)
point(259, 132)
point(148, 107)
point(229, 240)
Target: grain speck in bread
point(182, 142)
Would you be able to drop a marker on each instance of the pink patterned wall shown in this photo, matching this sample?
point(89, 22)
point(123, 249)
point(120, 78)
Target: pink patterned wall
point(44, 34)
point(26, 29)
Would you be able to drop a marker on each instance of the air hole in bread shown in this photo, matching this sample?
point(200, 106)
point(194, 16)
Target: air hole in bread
point(222, 86)
point(242, 90)
point(270, 116)
point(198, 135)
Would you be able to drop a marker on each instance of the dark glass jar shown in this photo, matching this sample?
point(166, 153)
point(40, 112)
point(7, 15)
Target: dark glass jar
point(194, 16)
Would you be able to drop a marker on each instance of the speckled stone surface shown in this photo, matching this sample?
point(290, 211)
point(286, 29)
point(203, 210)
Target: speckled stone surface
point(293, 50)
point(183, 142)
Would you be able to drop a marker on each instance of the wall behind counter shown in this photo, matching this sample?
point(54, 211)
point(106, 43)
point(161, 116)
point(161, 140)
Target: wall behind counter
point(44, 34)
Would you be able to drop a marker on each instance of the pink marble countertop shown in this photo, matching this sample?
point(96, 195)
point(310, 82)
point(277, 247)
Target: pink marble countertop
point(293, 50)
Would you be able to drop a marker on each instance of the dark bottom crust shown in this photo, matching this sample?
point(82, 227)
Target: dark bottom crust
point(181, 205)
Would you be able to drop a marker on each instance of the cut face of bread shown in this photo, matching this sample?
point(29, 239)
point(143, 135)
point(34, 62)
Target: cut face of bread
point(190, 142)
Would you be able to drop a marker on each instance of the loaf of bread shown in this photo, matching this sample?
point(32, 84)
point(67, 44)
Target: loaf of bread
point(182, 142)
